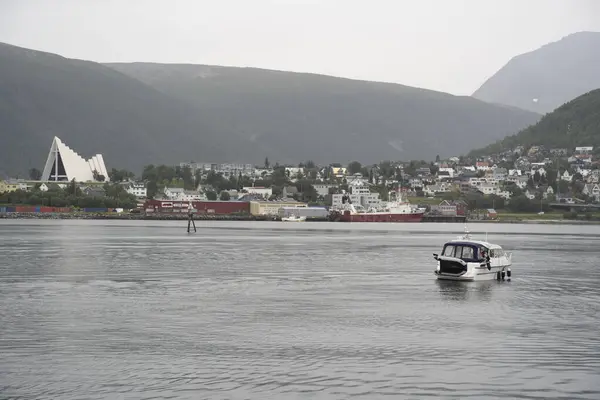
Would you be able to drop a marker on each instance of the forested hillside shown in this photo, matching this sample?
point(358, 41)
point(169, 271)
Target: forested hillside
point(576, 123)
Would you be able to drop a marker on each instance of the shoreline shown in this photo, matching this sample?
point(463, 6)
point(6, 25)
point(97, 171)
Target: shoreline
point(213, 217)
point(134, 217)
point(537, 221)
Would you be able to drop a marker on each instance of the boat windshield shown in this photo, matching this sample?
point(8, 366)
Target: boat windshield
point(465, 252)
point(495, 253)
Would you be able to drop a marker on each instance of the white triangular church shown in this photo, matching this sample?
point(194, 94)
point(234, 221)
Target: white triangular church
point(64, 164)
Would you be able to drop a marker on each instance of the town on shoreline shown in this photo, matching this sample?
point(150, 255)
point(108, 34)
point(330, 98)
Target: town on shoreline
point(533, 183)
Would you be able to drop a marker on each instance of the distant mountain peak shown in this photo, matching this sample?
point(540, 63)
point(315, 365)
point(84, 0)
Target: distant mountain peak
point(543, 79)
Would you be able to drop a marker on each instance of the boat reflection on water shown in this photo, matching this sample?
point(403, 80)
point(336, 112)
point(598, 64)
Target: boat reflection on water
point(463, 291)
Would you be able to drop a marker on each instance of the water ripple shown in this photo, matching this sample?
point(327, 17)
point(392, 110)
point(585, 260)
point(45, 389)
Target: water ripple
point(94, 309)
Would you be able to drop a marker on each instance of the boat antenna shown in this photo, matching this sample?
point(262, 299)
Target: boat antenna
point(467, 234)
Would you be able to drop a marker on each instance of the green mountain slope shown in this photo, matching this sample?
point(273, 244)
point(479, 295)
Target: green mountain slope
point(295, 116)
point(576, 123)
point(93, 108)
point(545, 78)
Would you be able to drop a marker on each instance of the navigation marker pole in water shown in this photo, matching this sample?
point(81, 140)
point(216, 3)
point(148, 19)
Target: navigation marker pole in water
point(191, 217)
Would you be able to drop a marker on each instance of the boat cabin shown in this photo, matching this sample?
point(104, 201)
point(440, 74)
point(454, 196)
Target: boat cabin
point(457, 253)
point(466, 251)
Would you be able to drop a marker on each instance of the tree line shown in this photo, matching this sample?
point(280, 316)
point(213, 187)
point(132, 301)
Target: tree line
point(115, 196)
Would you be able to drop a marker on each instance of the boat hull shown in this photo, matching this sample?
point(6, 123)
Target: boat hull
point(292, 219)
point(474, 274)
point(381, 217)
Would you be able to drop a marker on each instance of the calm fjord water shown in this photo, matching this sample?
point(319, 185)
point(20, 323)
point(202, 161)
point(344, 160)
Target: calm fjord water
point(139, 309)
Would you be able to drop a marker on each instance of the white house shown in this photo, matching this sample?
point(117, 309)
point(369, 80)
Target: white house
point(293, 171)
point(490, 188)
point(192, 195)
point(514, 172)
point(173, 193)
point(259, 190)
point(44, 188)
point(359, 195)
point(476, 182)
point(18, 184)
point(566, 176)
point(539, 170)
point(592, 190)
point(431, 190)
point(179, 194)
point(138, 189)
point(450, 171)
point(416, 182)
point(358, 180)
point(594, 176)
point(487, 188)
point(584, 171)
point(234, 169)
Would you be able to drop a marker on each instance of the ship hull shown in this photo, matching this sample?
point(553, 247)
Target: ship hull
point(380, 217)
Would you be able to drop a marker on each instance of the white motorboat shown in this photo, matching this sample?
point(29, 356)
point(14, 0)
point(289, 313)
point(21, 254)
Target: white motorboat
point(293, 218)
point(465, 259)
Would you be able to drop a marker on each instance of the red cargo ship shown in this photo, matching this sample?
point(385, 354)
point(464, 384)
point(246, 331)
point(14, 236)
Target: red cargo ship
point(395, 211)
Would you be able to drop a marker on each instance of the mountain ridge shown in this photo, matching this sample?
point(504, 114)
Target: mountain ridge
point(551, 74)
point(43, 95)
point(197, 84)
point(171, 114)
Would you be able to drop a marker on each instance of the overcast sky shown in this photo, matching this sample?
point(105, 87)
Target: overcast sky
point(446, 45)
